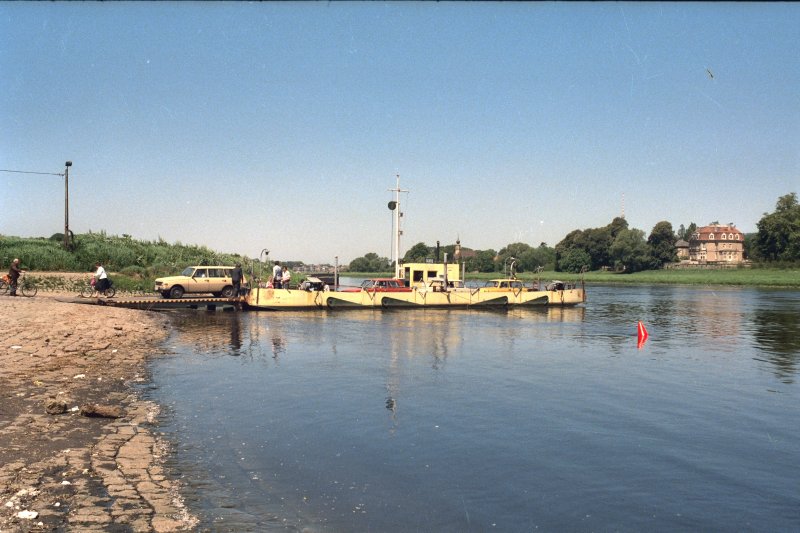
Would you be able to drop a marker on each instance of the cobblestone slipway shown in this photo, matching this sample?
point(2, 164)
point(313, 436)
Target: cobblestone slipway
point(67, 471)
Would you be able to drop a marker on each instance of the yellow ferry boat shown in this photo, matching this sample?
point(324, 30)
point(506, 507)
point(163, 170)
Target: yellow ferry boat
point(417, 285)
point(431, 289)
point(425, 285)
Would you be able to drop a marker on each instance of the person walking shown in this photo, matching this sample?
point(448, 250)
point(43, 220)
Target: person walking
point(14, 273)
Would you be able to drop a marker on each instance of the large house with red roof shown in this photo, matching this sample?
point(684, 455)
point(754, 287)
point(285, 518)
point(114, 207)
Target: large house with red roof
point(717, 243)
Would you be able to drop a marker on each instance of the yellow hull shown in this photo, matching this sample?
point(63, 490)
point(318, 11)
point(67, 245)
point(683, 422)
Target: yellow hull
point(278, 299)
point(566, 297)
point(284, 299)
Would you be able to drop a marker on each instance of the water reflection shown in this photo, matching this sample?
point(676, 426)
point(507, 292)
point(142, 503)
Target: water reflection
point(228, 333)
point(277, 346)
point(315, 416)
point(704, 321)
point(776, 332)
point(208, 332)
point(236, 336)
point(393, 388)
point(549, 314)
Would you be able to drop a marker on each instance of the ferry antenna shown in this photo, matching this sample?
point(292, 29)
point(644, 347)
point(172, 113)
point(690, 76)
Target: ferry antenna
point(398, 230)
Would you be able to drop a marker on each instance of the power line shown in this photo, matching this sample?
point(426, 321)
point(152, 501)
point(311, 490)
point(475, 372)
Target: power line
point(31, 172)
point(65, 175)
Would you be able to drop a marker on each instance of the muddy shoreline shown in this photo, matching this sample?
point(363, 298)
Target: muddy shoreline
point(79, 449)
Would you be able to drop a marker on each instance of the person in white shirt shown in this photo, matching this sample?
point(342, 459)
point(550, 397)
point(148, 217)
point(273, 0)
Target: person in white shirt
point(277, 275)
point(286, 278)
point(100, 279)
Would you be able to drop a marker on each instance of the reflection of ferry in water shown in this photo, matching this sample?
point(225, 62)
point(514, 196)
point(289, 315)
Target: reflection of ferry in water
point(419, 285)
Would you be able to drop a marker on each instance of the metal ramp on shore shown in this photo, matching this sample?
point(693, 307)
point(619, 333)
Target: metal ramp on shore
point(158, 304)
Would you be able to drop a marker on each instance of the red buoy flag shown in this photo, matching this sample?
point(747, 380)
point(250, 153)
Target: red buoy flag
point(642, 334)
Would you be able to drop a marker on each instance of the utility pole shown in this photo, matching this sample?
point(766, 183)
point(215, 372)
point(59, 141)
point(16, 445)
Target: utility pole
point(65, 175)
point(66, 204)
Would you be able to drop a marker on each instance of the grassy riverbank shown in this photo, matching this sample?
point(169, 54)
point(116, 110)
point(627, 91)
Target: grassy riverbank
point(751, 277)
point(747, 277)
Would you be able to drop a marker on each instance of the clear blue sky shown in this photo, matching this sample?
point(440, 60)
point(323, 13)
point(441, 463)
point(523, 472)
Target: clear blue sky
point(244, 126)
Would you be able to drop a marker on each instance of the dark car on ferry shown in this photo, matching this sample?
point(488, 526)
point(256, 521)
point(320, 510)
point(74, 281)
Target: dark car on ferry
point(381, 285)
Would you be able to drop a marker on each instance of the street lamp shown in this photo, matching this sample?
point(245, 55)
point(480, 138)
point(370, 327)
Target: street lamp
point(66, 204)
point(265, 253)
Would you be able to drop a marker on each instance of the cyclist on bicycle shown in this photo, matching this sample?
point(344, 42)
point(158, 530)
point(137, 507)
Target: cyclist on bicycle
point(13, 274)
point(101, 279)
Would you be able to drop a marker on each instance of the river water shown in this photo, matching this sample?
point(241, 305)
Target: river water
point(540, 419)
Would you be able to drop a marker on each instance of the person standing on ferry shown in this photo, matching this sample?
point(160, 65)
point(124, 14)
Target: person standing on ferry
point(286, 277)
point(236, 279)
point(277, 275)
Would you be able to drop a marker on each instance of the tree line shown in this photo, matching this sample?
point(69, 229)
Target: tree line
point(778, 238)
point(615, 246)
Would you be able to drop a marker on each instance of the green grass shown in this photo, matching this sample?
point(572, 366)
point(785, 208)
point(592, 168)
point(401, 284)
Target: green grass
point(117, 254)
point(751, 277)
point(132, 265)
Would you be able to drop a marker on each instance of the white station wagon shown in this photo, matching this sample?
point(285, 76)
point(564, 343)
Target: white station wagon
point(215, 280)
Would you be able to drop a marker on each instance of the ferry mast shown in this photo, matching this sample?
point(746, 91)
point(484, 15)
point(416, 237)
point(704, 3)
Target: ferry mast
point(394, 205)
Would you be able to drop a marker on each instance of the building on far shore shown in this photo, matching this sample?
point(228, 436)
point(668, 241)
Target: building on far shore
point(717, 243)
point(682, 250)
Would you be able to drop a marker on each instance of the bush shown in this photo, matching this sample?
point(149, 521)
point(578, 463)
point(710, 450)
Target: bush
point(574, 260)
point(36, 254)
point(137, 259)
point(134, 272)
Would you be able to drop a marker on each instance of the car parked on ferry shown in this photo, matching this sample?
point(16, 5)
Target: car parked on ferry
point(214, 280)
point(501, 285)
point(380, 285)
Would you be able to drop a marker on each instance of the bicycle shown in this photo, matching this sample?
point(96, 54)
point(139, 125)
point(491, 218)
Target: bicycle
point(25, 286)
point(88, 290)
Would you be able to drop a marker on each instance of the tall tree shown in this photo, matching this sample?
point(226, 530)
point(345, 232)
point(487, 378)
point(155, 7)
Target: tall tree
point(417, 253)
point(685, 233)
point(750, 250)
point(779, 232)
point(662, 244)
point(630, 251)
point(573, 239)
point(574, 260)
point(543, 256)
point(617, 225)
point(597, 242)
point(370, 263)
point(521, 252)
point(482, 262)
